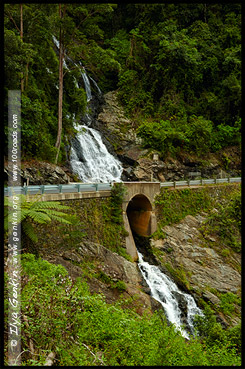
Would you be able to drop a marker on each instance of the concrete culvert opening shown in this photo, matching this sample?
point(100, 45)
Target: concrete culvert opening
point(139, 211)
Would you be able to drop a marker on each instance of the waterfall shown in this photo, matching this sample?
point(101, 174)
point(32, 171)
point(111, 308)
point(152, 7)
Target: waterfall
point(89, 158)
point(86, 84)
point(164, 290)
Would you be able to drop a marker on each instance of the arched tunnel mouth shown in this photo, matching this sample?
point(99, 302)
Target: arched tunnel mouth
point(139, 212)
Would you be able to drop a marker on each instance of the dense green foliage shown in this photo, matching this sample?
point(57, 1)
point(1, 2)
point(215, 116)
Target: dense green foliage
point(210, 331)
point(226, 222)
point(35, 211)
point(177, 68)
point(173, 206)
point(222, 208)
point(97, 220)
point(62, 316)
point(197, 135)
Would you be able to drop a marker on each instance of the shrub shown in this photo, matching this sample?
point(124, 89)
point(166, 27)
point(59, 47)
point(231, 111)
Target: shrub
point(65, 318)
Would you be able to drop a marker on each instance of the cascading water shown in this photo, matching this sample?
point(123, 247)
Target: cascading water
point(164, 290)
point(92, 162)
point(89, 158)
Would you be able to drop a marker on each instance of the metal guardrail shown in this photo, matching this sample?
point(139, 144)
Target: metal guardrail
point(200, 182)
point(50, 189)
point(88, 187)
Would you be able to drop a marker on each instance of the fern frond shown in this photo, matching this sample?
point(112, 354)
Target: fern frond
point(38, 217)
point(52, 212)
point(60, 219)
point(21, 215)
point(72, 218)
point(29, 231)
point(49, 205)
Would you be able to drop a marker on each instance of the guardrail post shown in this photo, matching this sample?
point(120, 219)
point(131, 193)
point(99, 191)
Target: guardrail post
point(188, 182)
point(174, 184)
point(78, 187)
point(25, 188)
point(96, 187)
point(60, 188)
point(201, 181)
point(229, 179)
point(42, 189)
point(215, 180)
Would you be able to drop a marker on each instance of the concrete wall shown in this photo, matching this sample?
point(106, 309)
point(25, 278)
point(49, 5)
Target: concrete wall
point(139, 212)
point(138, 208)
point(69, 196)
point(148, 189)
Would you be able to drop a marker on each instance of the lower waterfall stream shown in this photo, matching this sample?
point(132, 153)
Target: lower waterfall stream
point(165, 291)
point(91, 161)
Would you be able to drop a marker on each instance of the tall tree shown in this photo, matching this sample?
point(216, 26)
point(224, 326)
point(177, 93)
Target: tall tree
point(61, 76)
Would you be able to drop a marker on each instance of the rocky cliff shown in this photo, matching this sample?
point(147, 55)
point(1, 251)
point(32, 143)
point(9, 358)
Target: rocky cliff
point(199, 265)
point(120, 136)
point(33, 172)
point(145, 165)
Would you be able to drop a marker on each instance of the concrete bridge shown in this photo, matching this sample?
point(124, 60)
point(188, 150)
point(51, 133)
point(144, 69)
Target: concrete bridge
point(138, 204)
point(139, 212)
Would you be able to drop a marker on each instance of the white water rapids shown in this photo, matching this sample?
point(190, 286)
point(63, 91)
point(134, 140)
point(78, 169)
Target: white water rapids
point(164, 290)
point(92, 162)
point(89, 158)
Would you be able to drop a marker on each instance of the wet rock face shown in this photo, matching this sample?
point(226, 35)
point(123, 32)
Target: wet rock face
point(205, 268)
point(114, 267)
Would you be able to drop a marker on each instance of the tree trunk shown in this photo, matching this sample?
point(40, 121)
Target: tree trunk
point(60, 101)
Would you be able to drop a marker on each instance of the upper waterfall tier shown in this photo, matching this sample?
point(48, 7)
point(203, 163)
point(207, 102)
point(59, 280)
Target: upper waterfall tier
point(90, 159)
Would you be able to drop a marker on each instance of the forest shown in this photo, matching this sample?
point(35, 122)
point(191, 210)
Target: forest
point(177, 69)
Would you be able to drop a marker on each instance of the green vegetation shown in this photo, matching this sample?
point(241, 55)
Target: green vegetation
point(179, 275)
point(226, 223)
point(173, 206)
point(120, 285)
point(97, 220)
point(210, 331)
point(195, 135)
point(117, 194)
point(61, 316)
point(36, 211)
point(177, 69)
point(227, 302)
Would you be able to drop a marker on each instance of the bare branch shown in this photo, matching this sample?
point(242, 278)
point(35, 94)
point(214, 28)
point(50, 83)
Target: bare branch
point(12, 19)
